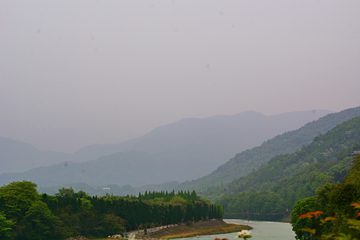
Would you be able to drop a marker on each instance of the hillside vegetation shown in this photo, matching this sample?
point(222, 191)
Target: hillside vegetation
point(252, 159)
point(287, 142)
point(288, 178)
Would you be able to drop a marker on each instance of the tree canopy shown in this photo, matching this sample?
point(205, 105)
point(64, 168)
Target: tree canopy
point(25, 214)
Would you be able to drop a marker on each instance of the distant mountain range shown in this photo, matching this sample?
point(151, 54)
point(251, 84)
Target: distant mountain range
point(252, 159)
point(17, 156)
point(180, 151)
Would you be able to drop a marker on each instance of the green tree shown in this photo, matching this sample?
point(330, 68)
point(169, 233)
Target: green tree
point(82, 194)
point(70, 221)
point(302, 207)
point(16, 198)
point(88, 221)
point(39, 221)
point(86, 203)
point(21, 203)
point(354, 175)
point(5, 227)
point(320, 180)
point(66, 193)
point(112, 224)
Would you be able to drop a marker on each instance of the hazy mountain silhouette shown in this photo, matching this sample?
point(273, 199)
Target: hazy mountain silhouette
point(243, 163)
point(218, 138)
point(17, 156)
point(184, 150)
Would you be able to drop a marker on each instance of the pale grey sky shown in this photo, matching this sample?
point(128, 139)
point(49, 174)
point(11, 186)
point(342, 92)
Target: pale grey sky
point(74, 73)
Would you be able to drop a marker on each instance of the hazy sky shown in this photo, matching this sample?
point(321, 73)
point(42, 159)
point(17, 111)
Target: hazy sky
point(74, 73)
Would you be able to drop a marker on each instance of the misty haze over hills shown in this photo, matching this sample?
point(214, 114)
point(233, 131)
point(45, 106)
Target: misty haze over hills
point(17, 156)
point(241, 106)
point(243, 163)
point(238, 166)
point(184, 150)
point(221, 135)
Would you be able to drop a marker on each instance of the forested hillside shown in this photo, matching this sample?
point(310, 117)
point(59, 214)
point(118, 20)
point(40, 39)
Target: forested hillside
point(252, 159)
point(295, 176)
point(111, 168)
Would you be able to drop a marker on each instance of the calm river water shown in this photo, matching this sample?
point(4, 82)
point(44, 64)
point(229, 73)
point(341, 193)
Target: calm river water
point(261, 231)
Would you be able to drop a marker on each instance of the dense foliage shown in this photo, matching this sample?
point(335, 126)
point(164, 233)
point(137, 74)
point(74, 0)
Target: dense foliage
point(292, 177)
point(26, 214)
point(333, 200)
point(260, 205)
point(252, 159)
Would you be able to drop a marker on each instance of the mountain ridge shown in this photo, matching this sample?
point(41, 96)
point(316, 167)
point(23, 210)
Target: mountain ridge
point(288, 142)
point(206, 143)
point(295, 176)
point(321, 124)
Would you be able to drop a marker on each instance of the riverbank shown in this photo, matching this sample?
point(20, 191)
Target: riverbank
point(261, 230)
point(199, 228)
point(284, 220)
point(192, 230)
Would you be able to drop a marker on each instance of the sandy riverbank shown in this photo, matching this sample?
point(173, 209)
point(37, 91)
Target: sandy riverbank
point(195, 229)
point(199, 228)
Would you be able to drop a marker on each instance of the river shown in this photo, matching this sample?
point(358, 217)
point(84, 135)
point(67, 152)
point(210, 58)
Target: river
point(261, 231)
